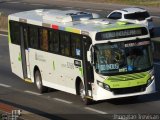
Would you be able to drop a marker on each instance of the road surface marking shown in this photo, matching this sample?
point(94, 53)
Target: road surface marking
point(36, 4)
point(4, 85)
point(89, 9)
point(68, 7)
point(61, 100)
point(94, 110)
point(34, 93)
point(98, 10)
point(155, 16)
point(13, 2)
point(4, 35)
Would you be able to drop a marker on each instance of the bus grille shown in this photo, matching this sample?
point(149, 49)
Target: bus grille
point(118, 91)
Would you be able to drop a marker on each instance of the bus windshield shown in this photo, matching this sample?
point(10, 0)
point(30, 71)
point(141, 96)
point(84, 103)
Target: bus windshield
point(123, 57)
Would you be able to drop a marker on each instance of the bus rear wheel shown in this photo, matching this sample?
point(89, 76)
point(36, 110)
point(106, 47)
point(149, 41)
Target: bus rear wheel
point(87, 101)
point(38, 82)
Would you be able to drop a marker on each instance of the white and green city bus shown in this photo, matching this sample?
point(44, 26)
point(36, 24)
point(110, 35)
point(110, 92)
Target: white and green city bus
point(80, 53)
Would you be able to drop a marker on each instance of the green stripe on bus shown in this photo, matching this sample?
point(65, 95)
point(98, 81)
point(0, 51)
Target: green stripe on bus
point(129, 80)
point(69, 29)
point(121, 23)
point(53, 66)
point(81, 71)
point(19, 57)
point(120, 27)
point(9, 38)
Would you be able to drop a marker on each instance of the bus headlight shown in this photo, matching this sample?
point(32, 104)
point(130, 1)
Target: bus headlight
point(106, 87)
point(103, 85)
point(100, 83)
point(150, 80)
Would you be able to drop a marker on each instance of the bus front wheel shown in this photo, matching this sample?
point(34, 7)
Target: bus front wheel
point(87, 101)
point(38, 82)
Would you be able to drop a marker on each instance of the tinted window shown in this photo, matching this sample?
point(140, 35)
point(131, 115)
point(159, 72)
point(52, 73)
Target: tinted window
point(53, 41)
point(115, 15)
point(33, 35)
point(15, 32)
point(76, 48)
point(130, 56)
point(137, 16)
point(43, 33)
point(65, 43)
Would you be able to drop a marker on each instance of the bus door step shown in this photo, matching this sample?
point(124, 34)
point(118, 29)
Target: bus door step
point(28, 80)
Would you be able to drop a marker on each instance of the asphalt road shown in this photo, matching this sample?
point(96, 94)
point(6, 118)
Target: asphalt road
point(12, 6)
point(60, 105)
point(57, 104)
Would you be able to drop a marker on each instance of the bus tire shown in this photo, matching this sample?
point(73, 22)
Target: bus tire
point(38, 82)
point(85, 100)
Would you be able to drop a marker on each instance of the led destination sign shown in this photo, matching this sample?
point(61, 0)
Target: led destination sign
point(121, 33)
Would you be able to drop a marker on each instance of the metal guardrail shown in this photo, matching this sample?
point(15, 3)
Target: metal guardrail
point(156, 17)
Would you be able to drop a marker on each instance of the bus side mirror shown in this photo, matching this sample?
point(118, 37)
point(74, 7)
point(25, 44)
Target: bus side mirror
point(89, 56)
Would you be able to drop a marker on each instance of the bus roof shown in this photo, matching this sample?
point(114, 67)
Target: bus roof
point(70, 20)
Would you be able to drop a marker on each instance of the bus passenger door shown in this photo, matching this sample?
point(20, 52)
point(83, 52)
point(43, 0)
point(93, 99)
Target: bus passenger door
point(25, 51)
point(87, 68)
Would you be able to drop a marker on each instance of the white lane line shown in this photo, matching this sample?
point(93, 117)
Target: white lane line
point(89, 9)
point(61, 100)
point(98, 10)
point(36, 4)
point(68, 7)
point(34, 93)
point(4, 85)
point(4, 35)
point(13, 2)
point(155, 16)
point(94, 110)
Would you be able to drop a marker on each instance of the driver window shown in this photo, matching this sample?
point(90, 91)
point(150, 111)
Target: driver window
point(115, 16)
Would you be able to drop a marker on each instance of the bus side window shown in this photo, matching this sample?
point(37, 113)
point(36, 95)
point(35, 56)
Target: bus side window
point(33, 35)
point(15, 32)
point(65, 43)
point(54, 41)
point(76, 46)
point(43, 34)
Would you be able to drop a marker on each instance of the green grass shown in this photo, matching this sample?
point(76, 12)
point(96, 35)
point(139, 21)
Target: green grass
point(151, 3)
point(140, 2)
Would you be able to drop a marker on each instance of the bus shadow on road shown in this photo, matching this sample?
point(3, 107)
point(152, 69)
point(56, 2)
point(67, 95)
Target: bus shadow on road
point(133, 100)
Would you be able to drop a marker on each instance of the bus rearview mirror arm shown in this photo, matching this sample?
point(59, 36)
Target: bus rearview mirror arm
point(90, 58)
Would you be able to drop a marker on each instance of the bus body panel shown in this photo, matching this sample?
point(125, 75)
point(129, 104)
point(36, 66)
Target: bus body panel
point(56, 72)
point(28, 64)
point(15, 59)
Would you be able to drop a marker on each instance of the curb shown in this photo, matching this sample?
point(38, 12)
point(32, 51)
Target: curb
point(8, 112)
point(5, 32)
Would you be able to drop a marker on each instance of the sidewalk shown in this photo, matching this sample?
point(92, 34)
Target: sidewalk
point(8, 112)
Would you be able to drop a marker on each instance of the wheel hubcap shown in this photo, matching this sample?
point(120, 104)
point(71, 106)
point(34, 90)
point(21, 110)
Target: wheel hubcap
point(38, 82)
point(82, 93)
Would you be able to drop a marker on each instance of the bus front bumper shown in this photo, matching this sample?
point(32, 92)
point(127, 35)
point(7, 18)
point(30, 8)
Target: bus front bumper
point(100, 93)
